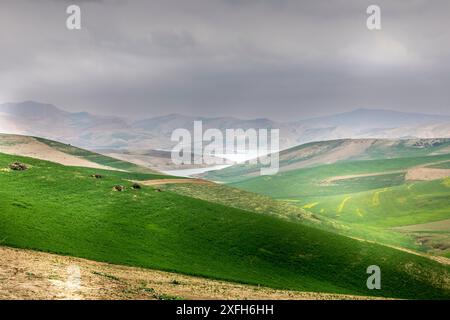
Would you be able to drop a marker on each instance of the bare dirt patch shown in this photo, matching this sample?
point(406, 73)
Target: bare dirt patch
point(156, 182)
point(426, 174)
point(417, 173)
point(441, 225)
point(26, 274)
point(347, 150)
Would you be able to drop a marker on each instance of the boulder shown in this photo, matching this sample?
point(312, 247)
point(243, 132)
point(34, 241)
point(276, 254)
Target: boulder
point(18, 166)
point(136, 186)
point(118, 188)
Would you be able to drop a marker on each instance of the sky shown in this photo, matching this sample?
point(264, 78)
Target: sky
point(278, 59)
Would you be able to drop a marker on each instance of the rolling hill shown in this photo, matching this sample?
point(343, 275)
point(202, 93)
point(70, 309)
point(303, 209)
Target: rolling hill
point(329, 152)
point(62, 209)
point(382, 191)
point(61, 153)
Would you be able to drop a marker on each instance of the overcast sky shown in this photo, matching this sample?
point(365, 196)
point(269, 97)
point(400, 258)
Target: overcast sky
point(281, 59)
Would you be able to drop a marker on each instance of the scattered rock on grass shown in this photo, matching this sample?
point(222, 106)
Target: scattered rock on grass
point(18, 166)
point(97, 176)
point(118, 188)
point(136, 186)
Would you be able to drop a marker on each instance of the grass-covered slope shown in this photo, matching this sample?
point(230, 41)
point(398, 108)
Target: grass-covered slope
point(305, 211)
point(406, 204)
point(329, 152)
point(373, 198)
point(312, 182)
point(62, 209)
point(420, 209)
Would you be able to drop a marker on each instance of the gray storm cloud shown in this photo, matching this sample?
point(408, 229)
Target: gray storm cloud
point(278, 59)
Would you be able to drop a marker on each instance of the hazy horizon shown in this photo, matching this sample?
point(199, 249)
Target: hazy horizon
point(143, 117)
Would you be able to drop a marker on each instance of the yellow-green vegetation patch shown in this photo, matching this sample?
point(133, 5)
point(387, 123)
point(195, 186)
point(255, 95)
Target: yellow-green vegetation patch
point(376, 197)
point(310, 205)
point(342, 204)
point(446, 182)
point(359, 212)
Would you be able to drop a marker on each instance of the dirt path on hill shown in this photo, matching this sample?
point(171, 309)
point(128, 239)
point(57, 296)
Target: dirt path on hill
point(330, 180)
point(26, 274)
point(156, 182)
point(343, 152)
point(420, 172)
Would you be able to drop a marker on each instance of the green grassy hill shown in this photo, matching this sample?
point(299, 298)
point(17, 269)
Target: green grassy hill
point(406, 204)
point(64, 210)
point(399, 208)
point(307, 183)
point(370, 198)
point(330, 152)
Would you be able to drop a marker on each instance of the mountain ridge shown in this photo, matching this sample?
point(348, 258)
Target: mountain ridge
point(110, 132)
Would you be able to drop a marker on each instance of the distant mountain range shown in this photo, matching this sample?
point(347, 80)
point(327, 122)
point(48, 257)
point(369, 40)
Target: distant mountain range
point(82, 129)
point(114, 133)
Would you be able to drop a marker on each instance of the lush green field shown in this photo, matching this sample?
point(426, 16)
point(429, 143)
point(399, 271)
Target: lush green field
point(368, 197)
point(62, 209)
point(240, 199)
point(291, 210)
point(385, 209)
point(407, 204)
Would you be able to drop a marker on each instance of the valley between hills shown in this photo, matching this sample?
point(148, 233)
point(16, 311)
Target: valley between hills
point(302, 231)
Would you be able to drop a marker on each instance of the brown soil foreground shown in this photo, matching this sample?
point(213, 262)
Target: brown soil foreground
point(26, 274)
